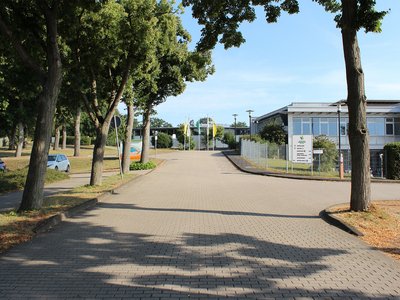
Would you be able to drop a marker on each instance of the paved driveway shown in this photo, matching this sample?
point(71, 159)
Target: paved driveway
point(196, 228)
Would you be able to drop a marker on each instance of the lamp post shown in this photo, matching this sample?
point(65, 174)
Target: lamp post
point(250, 111)
point(339, 110)
point(234, 116)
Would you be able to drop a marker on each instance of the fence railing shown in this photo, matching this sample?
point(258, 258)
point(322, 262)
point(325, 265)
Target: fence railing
point(275, 158)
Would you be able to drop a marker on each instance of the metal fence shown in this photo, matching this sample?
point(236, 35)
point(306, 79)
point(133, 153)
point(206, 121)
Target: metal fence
point(266, 155)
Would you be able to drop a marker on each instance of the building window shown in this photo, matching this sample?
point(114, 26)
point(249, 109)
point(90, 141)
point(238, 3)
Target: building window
point(389, 126)
point(306, 125)
point(396, 126)
point(296, 126)
point(376, 126)
point(315, 127)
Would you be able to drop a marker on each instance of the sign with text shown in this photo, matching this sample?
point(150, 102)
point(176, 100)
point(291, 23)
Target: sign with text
point(302, 149)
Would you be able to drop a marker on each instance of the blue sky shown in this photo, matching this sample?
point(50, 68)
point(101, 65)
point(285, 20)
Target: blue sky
point(298, 59)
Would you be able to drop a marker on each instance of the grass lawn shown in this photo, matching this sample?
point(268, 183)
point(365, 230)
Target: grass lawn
point(380, 225)
point(281, 165)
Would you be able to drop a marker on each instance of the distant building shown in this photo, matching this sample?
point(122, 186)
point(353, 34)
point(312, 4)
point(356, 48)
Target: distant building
point(301, 118)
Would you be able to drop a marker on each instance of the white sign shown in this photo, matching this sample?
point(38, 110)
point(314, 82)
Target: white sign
point(302, 149)
point(318, 151)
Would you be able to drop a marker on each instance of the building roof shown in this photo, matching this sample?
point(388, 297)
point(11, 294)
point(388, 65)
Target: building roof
point(373, 106)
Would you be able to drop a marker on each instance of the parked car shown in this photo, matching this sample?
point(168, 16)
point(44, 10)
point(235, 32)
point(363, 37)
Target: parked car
point(58, 162)
point(3, 166)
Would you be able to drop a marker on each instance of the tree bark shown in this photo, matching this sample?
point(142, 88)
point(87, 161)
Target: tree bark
point(64, 137)
point(357, 103)
point(98, 153)
point(33, 192)
point(146, 136)
point(11, 138)
point(20, 139)
point(56, 145)
point(126, 160)
point(77, 127)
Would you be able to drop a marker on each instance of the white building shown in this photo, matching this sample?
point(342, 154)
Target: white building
point(300, 118)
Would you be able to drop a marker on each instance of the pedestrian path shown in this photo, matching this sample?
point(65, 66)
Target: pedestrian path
point(10, 201)
point(199, 228)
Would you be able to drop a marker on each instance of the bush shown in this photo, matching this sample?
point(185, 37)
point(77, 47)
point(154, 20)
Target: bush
point(392, 160)
point(328, 158)
point(163, 141)
point(85, 140)
point(274, 133)
point(254, 137)
point(142, 166)
point(229, 139)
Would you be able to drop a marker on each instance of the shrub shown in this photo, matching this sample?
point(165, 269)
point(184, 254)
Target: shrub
point(85, 140)
point(254, 137)
point(142, 166)
point(229, 139)
point(392, 160)
point(163, 141)
point(274, 133)
point(328, 158)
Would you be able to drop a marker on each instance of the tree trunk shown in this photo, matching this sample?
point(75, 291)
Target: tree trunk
point(64, 137)
point(98, 153)
point(57, 139)
point(126, 160)
point(33, 192)
point(11, 138)
point(20, 139)
point(77, 141)
point(356, 102)
point(146, 136)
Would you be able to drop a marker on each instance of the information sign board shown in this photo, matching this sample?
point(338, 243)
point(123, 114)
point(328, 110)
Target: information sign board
point(302, 149)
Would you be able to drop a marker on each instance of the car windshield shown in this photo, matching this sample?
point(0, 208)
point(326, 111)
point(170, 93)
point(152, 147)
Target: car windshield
point(51, 158)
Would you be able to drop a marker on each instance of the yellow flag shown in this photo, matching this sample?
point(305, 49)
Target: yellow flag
point(214, 130)
point(185, 128)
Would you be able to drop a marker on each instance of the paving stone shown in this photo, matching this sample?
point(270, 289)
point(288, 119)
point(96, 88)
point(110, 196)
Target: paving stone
point(197, 228)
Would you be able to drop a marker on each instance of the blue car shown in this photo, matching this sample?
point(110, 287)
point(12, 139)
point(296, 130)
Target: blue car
point(58, 162)
point(3, 166)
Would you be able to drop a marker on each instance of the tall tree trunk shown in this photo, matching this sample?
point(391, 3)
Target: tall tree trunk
point(77, 141)
point(20, 139)
point(146, 136)
point(11, 138)
point(356, 102)
point(126, 160)
point(64, 137)
point(32, 197)
point(98, 153)
point(57, 139)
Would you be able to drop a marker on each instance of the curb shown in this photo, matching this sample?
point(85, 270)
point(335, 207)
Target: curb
point(47, 224)
point(327, 216)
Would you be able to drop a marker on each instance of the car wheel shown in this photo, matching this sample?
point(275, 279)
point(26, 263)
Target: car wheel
point(68, 169)
point(56, 168)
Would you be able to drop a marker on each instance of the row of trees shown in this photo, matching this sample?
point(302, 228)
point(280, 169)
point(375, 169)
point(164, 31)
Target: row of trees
point(221, 20)
point(90, 55)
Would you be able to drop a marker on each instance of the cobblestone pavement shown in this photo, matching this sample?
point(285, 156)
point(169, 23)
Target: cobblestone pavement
point(198, 228)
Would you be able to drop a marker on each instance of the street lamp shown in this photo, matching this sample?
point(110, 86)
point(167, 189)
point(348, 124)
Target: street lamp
point(250, 111)
point(339, 110)
point(234, 116)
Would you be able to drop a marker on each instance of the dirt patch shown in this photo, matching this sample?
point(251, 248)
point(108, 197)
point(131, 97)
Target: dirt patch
point(380, 225)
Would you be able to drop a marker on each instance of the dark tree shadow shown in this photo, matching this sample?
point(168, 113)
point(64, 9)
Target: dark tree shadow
point(78, 259)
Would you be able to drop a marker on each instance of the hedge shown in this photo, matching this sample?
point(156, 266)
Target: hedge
point(392, 160)
point(85, 140)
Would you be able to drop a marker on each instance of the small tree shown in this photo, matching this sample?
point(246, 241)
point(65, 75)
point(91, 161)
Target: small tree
point(328, 158)
point(274, 133)
point(163, 141)
point(181, 138)
point(229, 139)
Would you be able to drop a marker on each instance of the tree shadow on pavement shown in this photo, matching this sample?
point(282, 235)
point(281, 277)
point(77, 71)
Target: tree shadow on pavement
point(79, 259)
